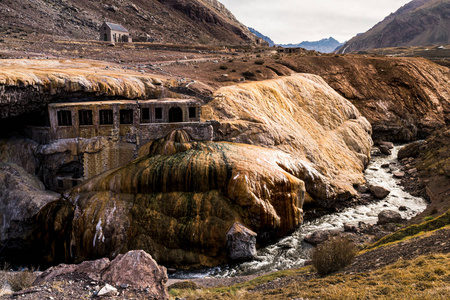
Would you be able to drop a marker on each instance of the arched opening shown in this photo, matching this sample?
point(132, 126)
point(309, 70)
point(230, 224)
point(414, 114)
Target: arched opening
point(175, 115)
point(105, 37)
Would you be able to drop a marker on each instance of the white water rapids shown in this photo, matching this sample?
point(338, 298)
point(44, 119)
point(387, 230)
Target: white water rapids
point(291, 251)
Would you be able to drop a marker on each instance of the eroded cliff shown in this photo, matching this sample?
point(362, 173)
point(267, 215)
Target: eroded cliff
point(28, 85)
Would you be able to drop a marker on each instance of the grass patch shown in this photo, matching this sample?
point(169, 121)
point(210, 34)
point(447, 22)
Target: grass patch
point(413, 230)
point(426, 277)
point(21, 280)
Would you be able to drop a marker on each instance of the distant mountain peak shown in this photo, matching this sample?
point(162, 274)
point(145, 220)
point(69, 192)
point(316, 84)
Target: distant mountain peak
point(325, 45)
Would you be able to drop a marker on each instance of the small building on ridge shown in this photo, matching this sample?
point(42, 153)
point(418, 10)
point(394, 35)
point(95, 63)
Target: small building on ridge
point(111, 32)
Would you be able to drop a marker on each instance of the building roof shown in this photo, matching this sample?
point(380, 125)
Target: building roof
point(116, 27)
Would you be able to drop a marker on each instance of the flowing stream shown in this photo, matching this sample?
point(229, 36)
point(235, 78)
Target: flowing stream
point(292, 251)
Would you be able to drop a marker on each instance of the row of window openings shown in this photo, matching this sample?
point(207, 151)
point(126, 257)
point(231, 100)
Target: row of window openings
point(106, 116)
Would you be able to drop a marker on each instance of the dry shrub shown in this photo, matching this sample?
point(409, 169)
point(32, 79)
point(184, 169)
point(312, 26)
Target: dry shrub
point(333, 255)
point(21, 280)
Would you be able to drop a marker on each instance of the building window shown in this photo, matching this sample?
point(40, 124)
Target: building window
point(106, 117)
point(192, 112)
point(175, 114)
point(158, 113)
point(64, 118)
point(105, 37)
point(85, 117)
point(126, 116)
point(145, 115)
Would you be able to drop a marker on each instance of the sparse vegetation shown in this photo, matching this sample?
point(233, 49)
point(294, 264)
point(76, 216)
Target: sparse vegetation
point(333, 255)
point(413, 230)
point(21, 280)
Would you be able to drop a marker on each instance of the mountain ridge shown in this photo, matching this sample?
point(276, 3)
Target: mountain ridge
point(418, 23)
point(161, 21)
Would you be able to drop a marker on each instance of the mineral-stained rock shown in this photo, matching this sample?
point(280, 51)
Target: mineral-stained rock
point(241, 243)
point(388, 216)
point(303, 116)
point(379, 191)
point(179, 202)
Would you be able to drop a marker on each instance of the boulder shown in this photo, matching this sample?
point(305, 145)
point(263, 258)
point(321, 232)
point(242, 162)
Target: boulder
point(134, 268)
point(410, 150)
point(138, 269)
point(398, 174)
point(389, 145)
point(379, 192)
point(389, 216)
point(107, 290)
point(320, 236)
point(241, 242)
point(385, 150)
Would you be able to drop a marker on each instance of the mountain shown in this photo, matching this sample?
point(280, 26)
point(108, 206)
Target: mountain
point(264, 37)
point(324, 45)
point(417, 23)
point(160, 21)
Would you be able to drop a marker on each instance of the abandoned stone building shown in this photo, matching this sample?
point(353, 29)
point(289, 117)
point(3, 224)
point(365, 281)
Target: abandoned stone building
point(111, 32)
point(102, 135)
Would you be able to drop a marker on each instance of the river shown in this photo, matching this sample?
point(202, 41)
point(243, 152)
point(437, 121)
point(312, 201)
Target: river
point(292, 251)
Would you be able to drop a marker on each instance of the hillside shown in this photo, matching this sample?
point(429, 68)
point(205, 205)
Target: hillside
point(419, 22)
point(328, 45)
point(264, 37)
point(161, 21)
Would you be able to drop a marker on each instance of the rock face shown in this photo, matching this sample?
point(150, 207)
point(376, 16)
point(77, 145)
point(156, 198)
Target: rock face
point(179, 201)
point(135, 269)
point(389, 216)
point(241, 243)
point(189, 22)
point(420, 22)
point(404, 99)
point(22, 196)
point(303, 116)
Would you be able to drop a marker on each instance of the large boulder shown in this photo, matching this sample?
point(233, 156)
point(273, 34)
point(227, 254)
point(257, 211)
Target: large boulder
point(241, 242)
point(389, 216)
point(135, 269)
point(138, 269)
point(379, 192)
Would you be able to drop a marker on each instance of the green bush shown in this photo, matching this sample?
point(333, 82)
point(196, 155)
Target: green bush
point(21, 280)
point(333, 255)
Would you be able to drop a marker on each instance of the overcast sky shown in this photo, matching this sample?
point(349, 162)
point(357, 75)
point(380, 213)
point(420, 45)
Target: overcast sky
point(294, 21)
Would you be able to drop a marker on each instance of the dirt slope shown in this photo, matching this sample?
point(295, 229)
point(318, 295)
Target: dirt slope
point(163, 21)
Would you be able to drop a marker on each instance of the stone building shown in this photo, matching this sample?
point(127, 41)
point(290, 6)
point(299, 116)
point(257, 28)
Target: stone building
point(102, 135)
point(114, 33)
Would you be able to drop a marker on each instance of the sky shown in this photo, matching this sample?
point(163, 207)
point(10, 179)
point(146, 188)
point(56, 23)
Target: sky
point(295, 21)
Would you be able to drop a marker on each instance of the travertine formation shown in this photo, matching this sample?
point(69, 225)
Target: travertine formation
point(303, 116)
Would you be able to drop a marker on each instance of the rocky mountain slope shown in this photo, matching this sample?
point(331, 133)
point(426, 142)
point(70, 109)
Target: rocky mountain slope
point(264, 37)
point(419, 22)
point(328, 45)
point(161, 21)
